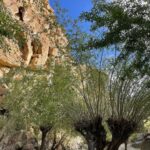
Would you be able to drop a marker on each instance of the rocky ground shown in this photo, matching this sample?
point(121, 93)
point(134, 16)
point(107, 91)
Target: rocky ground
point(130, 147)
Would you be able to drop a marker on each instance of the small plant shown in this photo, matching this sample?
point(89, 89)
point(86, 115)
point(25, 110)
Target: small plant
point(10, 28)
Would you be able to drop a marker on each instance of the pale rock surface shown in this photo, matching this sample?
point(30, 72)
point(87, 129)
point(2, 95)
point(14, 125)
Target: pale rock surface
point(43, 39)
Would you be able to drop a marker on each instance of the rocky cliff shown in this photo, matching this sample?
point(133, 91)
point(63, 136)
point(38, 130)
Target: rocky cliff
point(29, 34)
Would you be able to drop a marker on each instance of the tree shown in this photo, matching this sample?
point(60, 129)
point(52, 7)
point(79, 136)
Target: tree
point(35, 99)
point(126, 28)
point(123, 103)
point(88, 108)
point(74, 33)
point(124, 25)
point(129, 101)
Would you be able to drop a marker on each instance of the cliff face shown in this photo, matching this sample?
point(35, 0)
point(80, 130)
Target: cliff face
point(38, 37)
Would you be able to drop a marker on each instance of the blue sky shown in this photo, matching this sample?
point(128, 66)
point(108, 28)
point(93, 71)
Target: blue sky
point(74, 7)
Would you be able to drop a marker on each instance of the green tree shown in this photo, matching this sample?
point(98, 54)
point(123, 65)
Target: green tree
point(110, 98)
point(124, 25)
point(129, 105)
point(88, 109)
point(35, 99)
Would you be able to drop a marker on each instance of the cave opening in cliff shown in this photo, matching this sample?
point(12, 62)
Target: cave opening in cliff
point(21, 12)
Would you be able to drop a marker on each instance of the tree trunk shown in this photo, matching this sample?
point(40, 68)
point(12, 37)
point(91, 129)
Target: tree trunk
point(43, 142)
point(95, 144)
point(91, 145)
point(100, 146)
point(44, 130)
point(126, 144)
point(115, 144)
point(100, 142)
point(93, 132)
point(121, 130)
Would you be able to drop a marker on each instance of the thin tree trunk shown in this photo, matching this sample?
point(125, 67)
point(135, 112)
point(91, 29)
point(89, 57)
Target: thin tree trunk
point(43, 142)
point(93, 131)
point(44, 130)
point(99, 146)
point(113, 147)
point(95, 143)
point(126, 144)
point(100, 142)
point(91, 145)
point(115, 144)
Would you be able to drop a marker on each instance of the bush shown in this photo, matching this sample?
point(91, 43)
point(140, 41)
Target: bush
point(10, 28)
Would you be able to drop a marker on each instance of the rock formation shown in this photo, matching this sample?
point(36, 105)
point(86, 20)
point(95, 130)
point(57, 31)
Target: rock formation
point(40, 36)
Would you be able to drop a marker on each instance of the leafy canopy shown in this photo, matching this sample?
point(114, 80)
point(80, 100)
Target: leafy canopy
point(36, 97)
point(125, 25)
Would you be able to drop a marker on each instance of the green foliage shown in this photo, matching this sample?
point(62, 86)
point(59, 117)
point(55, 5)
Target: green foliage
point(89, 100)
point(126, 25)
point(109, 96)
point(129, 97)
point(36, 97)
point(147, 125)
point(10, 28)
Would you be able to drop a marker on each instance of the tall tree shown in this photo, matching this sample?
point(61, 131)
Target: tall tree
point(125, 25)
point(129, 105)
point(89, 106)
point(123, 103)
point(35, 98)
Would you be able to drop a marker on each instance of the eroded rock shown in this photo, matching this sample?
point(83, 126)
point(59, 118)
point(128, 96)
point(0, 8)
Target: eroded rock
point(42, 37)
